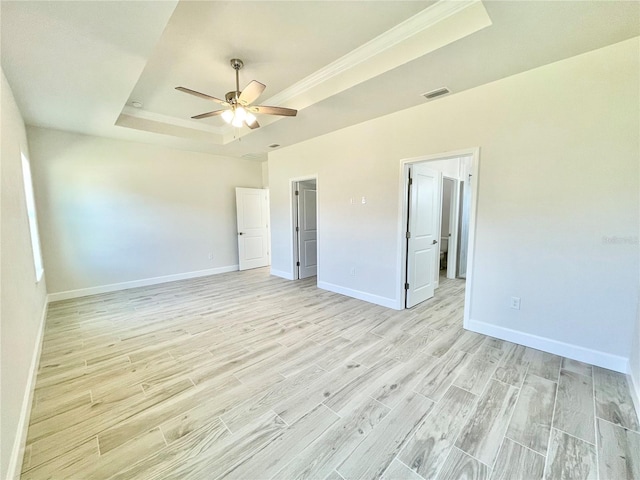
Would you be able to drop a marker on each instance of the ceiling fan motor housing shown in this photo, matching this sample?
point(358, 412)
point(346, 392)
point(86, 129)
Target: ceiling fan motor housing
point(232, 97)
point(236, 63)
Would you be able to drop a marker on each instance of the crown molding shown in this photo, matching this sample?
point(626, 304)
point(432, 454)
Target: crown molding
point(412, 26)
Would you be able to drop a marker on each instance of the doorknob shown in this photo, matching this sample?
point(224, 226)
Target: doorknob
point(239, 233)
point(432, 243)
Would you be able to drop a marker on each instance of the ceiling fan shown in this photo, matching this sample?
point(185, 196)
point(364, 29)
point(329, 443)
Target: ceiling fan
point(239, 110)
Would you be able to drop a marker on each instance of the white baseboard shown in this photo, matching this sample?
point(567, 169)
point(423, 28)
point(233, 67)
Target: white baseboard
point(282, 274)
point(367, 297)
point(575, 352)
point(145, 282)
point(19, 444)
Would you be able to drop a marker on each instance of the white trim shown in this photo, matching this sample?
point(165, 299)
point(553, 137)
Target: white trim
point(471, 244)
point(436, 263)
point(282, 274)
point(20, 441)
point(452, 248)
point(367, 297)
point(294, 219)
point(113, 287)
point(575, 352)
point(423, 20)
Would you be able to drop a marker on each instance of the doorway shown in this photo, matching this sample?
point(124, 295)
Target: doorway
point(438, 207)
point(305, 228)
point(449, 227)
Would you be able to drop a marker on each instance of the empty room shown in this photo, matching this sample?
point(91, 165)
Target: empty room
point(320, 240)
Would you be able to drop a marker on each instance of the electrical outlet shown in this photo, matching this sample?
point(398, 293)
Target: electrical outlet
point(364, 200)
point(353, 271)
point(210, 256)
point(515, 303)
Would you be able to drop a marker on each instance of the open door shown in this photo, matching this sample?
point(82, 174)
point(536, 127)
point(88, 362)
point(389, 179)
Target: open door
point(252, 206)
point(306, 229)
point(423, 233)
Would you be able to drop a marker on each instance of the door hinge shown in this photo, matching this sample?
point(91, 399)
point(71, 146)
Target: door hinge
point(297, 264)
point(297, 192)
point(410, 181)
point(408, 234)
point(297, 229)
point(406, 286)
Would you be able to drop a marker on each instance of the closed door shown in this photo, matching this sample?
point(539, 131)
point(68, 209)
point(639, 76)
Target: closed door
point(307, 229)
point(423, 233)
point(252, 206)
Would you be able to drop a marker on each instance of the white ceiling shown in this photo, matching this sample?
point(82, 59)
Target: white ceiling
point(78, 65)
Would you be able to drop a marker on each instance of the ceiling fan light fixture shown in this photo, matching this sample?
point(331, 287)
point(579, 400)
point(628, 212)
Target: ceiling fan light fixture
point(241, 114)
point(250, 118)
point(227, 116)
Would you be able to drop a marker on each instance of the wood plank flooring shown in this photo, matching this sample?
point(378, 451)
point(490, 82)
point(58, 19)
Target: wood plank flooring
point(247, 376)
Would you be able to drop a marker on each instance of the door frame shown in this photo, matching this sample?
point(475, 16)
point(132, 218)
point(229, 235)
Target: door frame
point(293, 213)
point(401, 261)
point(454, 220)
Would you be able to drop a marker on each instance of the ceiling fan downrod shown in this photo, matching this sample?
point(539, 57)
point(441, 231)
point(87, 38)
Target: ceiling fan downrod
point(232, 97)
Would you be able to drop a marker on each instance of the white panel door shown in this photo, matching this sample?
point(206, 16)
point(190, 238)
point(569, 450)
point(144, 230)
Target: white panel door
point(253, 227)
point(424, 232)
point(307, 230)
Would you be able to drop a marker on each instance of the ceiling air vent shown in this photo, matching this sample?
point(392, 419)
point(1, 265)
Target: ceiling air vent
point(438, 92)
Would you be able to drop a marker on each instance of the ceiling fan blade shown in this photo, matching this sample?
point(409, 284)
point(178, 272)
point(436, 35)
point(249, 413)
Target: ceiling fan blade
point(253, 125)
point(287, 112)
point(251, 92)
point(208, 114)
point(202, 95)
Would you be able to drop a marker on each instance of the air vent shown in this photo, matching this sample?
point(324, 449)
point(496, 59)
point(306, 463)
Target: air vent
point(274, 145)
point(438, 92)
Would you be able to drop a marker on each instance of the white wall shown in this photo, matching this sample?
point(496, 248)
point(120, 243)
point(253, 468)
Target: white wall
point(265, 174)
point(558, 173)
point(23, 301)
point(117, 212)
point(634, 361)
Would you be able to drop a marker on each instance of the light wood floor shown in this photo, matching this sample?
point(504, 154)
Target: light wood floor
point(248, 376)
